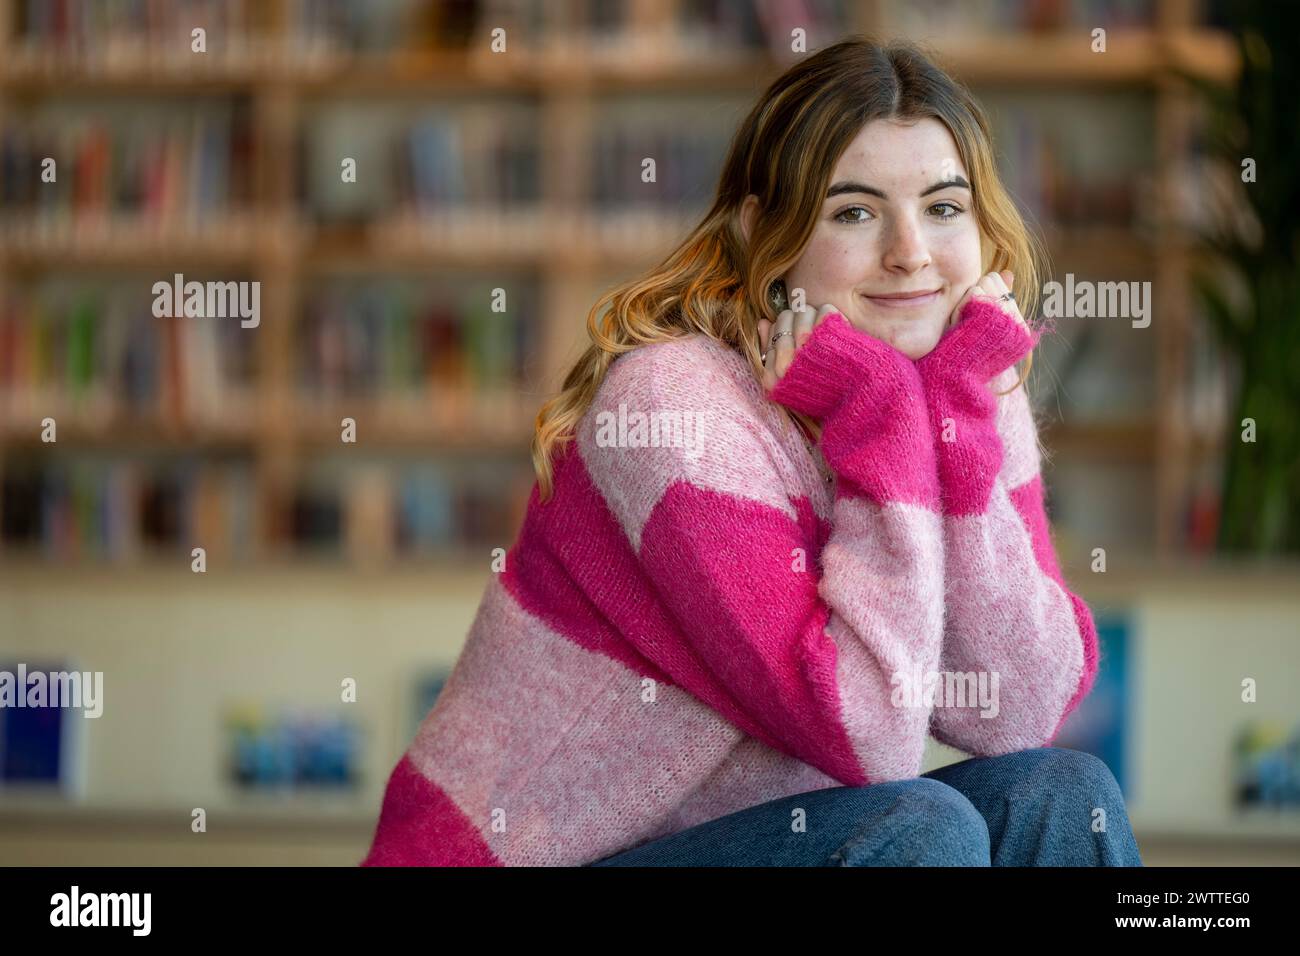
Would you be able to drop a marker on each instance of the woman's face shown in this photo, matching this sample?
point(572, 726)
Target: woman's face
point(896, 242)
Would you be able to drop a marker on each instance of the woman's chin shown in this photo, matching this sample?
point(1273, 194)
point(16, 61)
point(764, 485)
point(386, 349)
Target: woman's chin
point(914, 340)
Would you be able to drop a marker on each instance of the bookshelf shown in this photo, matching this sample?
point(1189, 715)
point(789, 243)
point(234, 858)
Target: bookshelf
point(288, 87)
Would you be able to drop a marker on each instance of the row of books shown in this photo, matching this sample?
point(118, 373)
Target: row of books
point(1103, 370)
point(160, 161)
point(337, 26)
point(684, 139)
point(400, 338)
point(1111, 504)
point(344, 27)
point(382, 512)
point(1096, 370)
point(100, 356)
point(117, 510)
point(421, 159)
point(742, 26)
point(99, 509)
point(965, 18)
point(1071, 160)
point(102, 31)
point(488, 157)
point(108, 31)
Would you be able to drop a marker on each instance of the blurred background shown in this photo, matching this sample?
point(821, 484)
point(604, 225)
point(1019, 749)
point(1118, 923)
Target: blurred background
point(430, 222)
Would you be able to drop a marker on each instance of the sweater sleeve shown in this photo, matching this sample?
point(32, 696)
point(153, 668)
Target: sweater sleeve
point(1010, 618)
point(802, 657)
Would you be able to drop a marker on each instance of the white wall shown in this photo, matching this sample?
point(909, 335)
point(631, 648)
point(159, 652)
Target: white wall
point(177, 647)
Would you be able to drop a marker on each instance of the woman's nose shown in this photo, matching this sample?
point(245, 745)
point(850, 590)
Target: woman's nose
point(905, 247)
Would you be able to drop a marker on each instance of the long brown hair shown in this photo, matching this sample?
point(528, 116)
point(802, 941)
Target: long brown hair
point(715, 282)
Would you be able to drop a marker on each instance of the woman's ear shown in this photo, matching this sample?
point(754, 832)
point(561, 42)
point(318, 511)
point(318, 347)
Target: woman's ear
point(748, 210)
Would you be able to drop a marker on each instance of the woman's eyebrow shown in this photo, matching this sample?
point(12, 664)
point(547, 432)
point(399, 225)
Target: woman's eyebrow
point(852, 187)
point(957, 181)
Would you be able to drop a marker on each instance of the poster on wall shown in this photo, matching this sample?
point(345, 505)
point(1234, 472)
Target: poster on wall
point(283, 749)
point(1266, 767)
point(43, 706)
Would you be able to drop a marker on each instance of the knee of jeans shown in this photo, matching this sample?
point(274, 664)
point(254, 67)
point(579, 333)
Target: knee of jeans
point(938, 806)
point(1073, 768)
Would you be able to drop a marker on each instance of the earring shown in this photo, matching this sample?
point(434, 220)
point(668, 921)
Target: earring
point(776, 296)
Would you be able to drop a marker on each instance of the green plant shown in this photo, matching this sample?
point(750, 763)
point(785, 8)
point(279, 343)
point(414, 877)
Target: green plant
point(1255, 246)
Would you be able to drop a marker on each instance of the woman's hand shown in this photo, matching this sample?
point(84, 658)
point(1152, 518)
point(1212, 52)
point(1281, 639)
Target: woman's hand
point(990, 337)
point(993, 286)
point(798, 327)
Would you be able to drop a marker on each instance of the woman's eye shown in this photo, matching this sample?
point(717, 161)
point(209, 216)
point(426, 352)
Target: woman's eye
point(839, 216)
point(953, 210)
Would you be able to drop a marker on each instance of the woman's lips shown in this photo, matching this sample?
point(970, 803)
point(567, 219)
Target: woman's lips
point(911, 302)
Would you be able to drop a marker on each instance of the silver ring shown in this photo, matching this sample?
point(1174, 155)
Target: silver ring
point(772, 343)
point(1007, 295)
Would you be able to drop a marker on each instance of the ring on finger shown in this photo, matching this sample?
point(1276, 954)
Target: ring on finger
point(772, 343)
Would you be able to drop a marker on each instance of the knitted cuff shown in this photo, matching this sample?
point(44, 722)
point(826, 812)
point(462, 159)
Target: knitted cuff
point(836, 359)
point(985, 341)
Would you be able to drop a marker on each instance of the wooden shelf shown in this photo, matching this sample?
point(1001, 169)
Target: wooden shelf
point(30, 73)
point(449, 571)
point(507, 428)
point(464, 238)
point(1132, 57)
point(484, 429)
point(130, 433)
point(115, 242)
point(1126, 439)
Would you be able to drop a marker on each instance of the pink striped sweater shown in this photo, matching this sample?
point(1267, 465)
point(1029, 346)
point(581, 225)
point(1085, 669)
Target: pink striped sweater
point(688, 628)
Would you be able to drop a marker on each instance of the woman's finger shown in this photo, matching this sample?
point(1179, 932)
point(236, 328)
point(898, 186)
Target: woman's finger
point(988, 286)
point(784, 343)
point(955, 316)
point(996, 282)
point(804, 322)
point(778, 358)
point(824, 311)
point(768, 329)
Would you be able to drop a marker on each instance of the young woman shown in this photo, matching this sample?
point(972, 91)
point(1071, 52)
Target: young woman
point(788, 522)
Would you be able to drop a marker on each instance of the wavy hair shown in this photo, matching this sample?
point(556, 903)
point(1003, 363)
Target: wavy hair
point(715, 283)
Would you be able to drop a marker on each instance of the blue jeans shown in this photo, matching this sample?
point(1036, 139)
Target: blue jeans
point(1032, 808)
